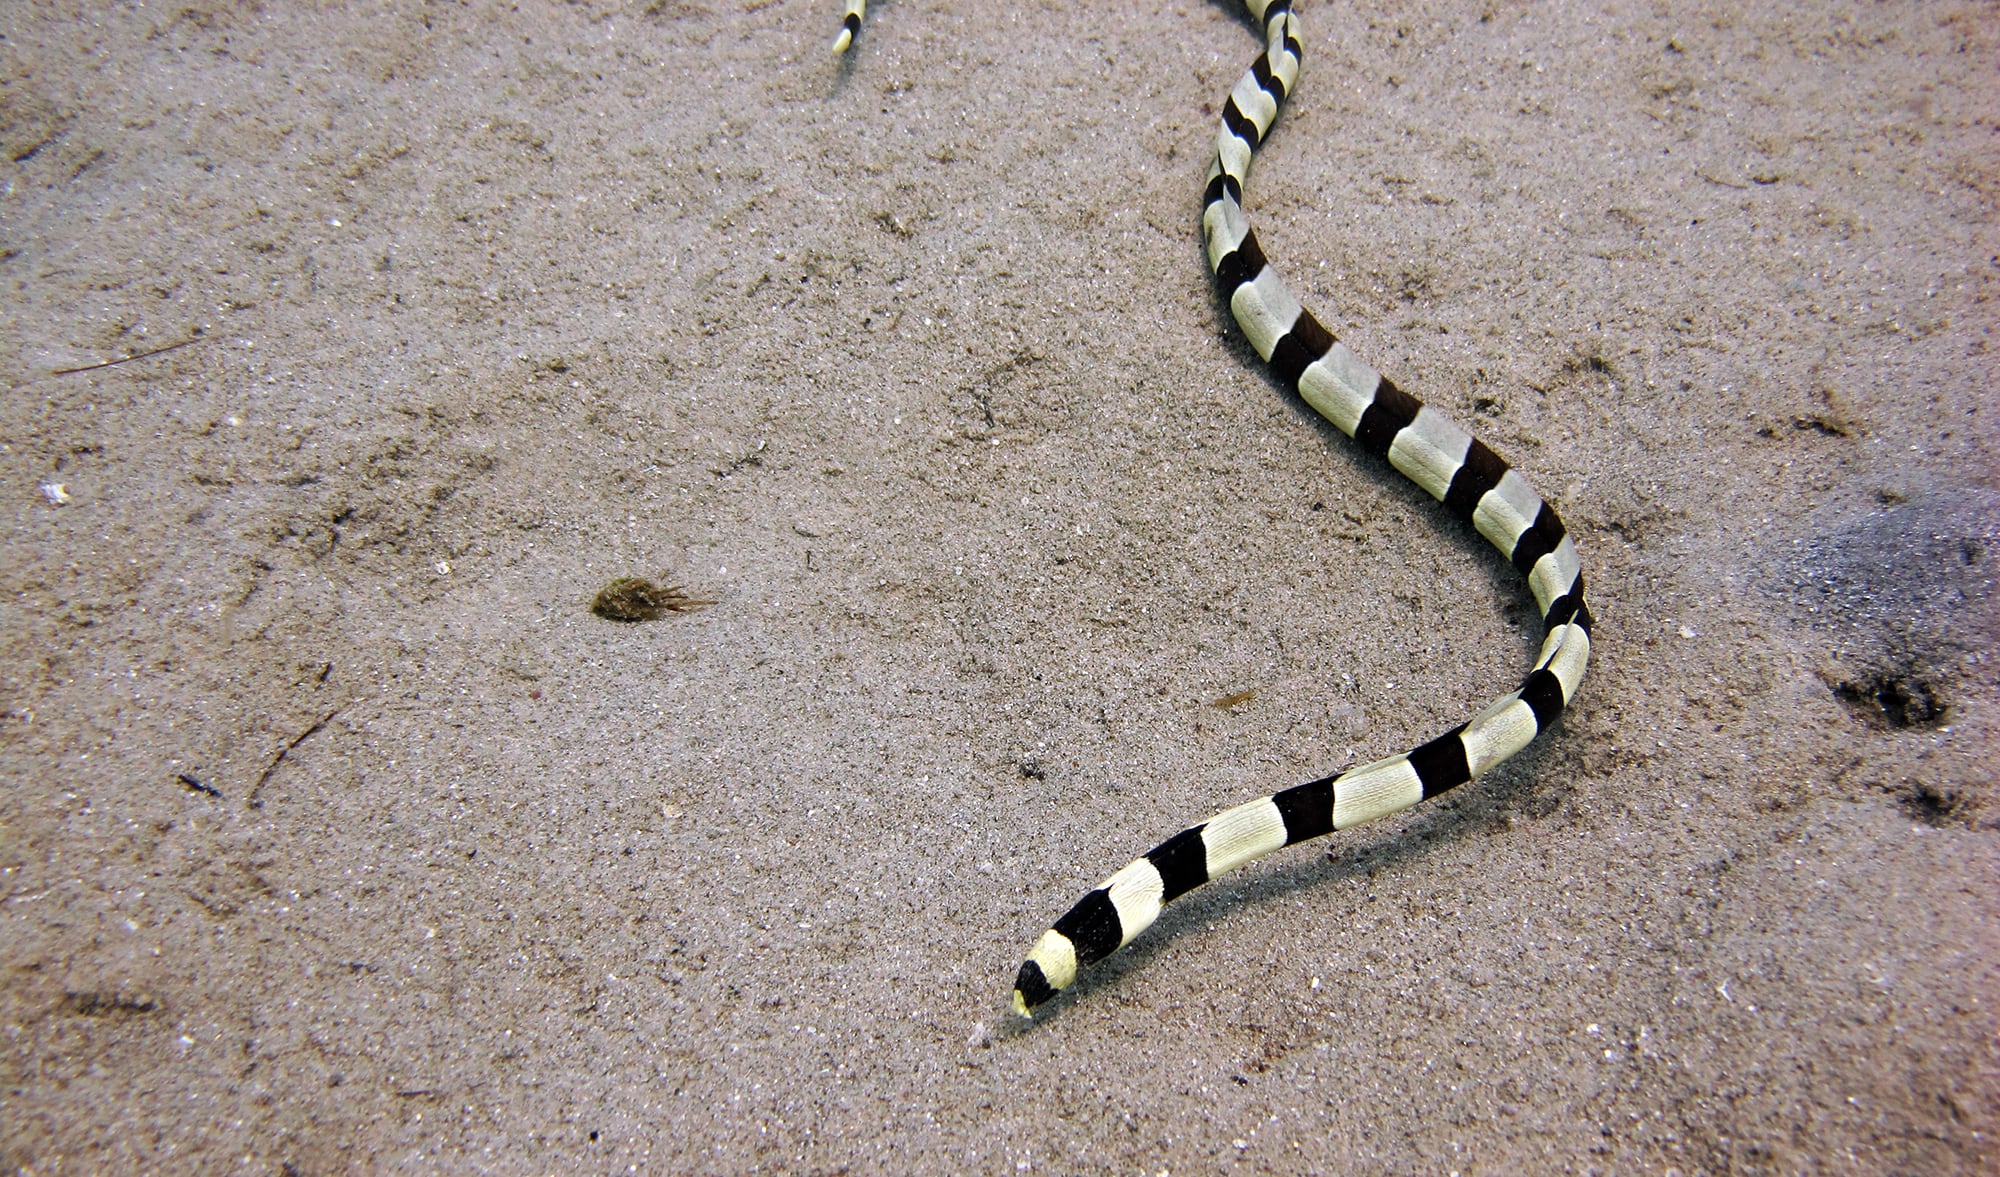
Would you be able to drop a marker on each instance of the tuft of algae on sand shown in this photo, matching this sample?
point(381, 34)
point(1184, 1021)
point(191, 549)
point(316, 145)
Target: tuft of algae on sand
point(634, 598)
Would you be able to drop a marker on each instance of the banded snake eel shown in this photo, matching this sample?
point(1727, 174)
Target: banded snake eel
point(1474, 484)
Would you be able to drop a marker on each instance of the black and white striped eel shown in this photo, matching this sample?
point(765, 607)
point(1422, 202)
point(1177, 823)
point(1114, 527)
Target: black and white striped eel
point(1451, 465)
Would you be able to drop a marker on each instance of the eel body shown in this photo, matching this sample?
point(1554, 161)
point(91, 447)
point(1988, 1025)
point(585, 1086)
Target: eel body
point(1472, 482)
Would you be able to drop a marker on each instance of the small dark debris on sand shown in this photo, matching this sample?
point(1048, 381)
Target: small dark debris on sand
point(634, 598)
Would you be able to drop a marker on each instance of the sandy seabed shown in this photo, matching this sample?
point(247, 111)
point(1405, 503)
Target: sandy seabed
point(338, 835)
